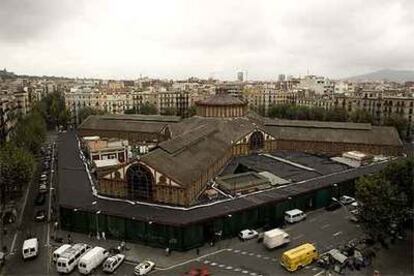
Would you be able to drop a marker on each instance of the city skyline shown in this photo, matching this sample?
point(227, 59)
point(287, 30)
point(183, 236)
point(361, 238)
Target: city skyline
point(180, 39)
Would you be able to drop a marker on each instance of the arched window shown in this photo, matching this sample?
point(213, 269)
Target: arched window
point(256, 140)
point(140, 181)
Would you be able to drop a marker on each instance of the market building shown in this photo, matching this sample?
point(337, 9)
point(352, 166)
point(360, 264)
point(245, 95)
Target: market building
point(163, 198)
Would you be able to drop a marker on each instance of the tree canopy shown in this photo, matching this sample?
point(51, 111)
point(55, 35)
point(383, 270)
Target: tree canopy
point(29, 132)
point(299, 112)
point(54, 111)
point(85, 112)
point(386, 197)
point(16, 168)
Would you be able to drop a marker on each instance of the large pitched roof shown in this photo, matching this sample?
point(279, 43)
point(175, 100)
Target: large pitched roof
point(335, 132)
point(201, 142)
point(129, 123)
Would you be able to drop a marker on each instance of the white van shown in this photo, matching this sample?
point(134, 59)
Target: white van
point(294, 215)
point(275, 238)
point(70, 257)
point(30, 248)
point(92, 259)
point(59, 251)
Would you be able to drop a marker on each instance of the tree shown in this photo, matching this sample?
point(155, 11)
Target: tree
point(361, 116)
point(399, 122)
point(147, 109)
point(386, 197)
point(85, 112)
point(29, 132)
point(16, 168)
point(54, 111)
point(169, 111)
point(192, 110)
point(335, 115)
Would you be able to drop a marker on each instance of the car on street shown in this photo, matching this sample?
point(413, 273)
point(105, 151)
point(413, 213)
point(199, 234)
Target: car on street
point(345, 200)
point(144, 268)
point(40, 215)
point(333, 205)
point(355, 212)
point(294, 215)
point(43, 177)
point(248, 234)
point(113, 262)
point(40, 199)
point(42, 188)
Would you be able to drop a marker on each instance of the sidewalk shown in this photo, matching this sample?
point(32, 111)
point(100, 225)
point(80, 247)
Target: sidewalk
point(136, 253)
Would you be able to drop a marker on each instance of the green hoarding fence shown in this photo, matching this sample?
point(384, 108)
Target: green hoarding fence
point(195, 235)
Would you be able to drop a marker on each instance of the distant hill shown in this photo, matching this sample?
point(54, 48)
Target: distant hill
point(386, 74)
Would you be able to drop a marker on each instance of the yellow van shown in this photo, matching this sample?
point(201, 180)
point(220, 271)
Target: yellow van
point(299, 257)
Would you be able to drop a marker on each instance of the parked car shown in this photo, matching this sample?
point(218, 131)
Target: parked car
point(40, 215)
point(40, 199)
point(42, 188)
point(248, 234)
point(144, 268)
point(345, 200)
point(30, 248)
point(113, 262)
point(355, 212)
point(333, 205)
point(294, 215)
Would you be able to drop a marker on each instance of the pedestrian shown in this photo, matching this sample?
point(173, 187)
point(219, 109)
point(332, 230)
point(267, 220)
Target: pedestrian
point(90, 235)
point(103, 236)
point(69, 239)
point(167, 251)
point(198, 251)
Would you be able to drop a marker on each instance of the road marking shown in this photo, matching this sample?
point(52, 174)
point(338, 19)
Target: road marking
point(191, 260)
point(297, 237)
point(325, 226)
point(337, 233)
point(14, 241)
point(319, 273)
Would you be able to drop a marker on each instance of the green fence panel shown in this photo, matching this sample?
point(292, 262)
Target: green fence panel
point(135, 230)
point(81, 222)
point(192, 237)
point(322, 198)
point(115, 226)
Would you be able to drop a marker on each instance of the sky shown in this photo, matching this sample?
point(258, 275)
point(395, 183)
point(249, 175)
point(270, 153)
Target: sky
point(126, 39)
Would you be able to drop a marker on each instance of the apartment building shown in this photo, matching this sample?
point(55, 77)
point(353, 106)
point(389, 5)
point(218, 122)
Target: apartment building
point(379, 104)
point(261, 98)
point(320, 85)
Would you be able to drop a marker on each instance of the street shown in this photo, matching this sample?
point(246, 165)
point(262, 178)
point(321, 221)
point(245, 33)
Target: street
point(324, 229)
point(30, 228)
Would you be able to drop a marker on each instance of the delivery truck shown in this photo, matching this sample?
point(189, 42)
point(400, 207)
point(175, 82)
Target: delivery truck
point(275, 238)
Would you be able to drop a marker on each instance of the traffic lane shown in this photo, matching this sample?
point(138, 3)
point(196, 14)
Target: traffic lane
point(325, 229)
point(185, 268)
point(244, 262)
